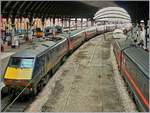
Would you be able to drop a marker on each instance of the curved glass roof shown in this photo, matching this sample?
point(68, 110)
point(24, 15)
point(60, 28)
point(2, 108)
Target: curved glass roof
point(111, 9)
point(112, 14)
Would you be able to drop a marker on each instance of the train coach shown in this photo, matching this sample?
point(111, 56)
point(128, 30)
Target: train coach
point(133, 64)
point(90, 33)
point(75, 39)
point(110, 27)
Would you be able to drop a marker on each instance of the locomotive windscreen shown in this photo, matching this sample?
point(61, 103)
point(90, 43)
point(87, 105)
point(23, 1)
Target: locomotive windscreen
point(19, 68)
point(21, 62)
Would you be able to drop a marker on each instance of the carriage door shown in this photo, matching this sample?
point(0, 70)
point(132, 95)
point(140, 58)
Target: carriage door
point(43, 67)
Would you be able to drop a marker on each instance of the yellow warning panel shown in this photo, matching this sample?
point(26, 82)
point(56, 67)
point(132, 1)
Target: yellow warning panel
point(18, 73)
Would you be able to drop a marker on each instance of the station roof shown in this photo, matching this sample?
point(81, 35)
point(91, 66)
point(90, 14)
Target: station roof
point(47, 8)
point(138, 10)
point(112, 14)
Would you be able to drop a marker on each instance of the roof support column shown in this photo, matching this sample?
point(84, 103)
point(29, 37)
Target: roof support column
point(2, 24)
point(87, 22)
point(45, 22)
point(69, 23)
point(53, 21)
point(3, 28)
point(21, 24)
point(9, 24)
point(58, 21)
point(50, 21)
point(54, 32)
point(27, 23)
point(30, 28)
point(62, 22)
point(81, 22)
point(92, 22)
point(30, 20)
point(43, 19)
point(13, 32)
point(76, 22)
point(65, 22)
point(6, 26)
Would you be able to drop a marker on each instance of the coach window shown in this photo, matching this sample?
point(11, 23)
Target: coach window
point(146, 89)
point(57, 48)
point(137, 75)
point(128, 64)
point(133, 70)
point(52, 53)
point(47, 57)
point(49, 54)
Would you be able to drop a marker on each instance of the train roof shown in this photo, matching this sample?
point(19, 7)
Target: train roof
point(64, 34)
point(90, 28)
point(35, 50)
point(75, 32)
point(140, 57)
point(72, 33)
point(124, 43)
point(38, 49)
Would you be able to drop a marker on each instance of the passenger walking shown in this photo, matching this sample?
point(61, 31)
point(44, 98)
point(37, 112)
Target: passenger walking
point(142, 41)
point(2, 46)
point(16, 41)
point(31, 34)
point(54, 32)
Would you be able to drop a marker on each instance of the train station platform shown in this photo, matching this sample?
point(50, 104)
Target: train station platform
point(87, 82)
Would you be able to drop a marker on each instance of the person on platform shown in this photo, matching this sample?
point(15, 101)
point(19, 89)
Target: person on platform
point(16, 41)
point(54, 31)
point(142, 41)
point(31, 34)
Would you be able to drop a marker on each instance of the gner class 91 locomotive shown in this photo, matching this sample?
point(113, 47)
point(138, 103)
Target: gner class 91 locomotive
point(29, 70)
point(32, 67)
point(133, 63)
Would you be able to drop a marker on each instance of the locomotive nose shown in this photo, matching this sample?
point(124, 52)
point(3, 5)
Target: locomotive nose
point(19, 68)
point(18, 73)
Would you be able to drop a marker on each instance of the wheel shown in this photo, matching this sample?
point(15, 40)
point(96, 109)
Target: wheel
point(56, 67)
point(40, 86)
point(5, 91)
point(34, 92)
point(64, 59)
point(46, 78)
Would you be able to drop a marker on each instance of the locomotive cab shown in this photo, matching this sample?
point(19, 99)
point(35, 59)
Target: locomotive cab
point(19, 72)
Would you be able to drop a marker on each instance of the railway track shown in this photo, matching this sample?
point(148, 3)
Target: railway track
point(12, 103)
point(5, 101)
point(8, 104)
